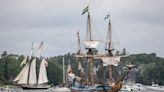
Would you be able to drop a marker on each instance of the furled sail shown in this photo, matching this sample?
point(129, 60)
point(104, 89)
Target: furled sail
point(110, 60)
point(91, 44)
point(23, 75)
point(32, 76)
point(42, 72)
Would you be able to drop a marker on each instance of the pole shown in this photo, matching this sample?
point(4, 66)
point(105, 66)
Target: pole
point(63, 71)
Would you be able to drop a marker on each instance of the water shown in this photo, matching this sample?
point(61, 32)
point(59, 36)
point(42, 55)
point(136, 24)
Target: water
point(7, 89)
point(21, 90)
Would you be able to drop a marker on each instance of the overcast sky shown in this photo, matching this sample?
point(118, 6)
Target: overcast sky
point(138, 25)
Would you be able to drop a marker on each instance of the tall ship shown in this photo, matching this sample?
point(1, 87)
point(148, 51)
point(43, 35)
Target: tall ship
point(86, 81)
point(27, 78)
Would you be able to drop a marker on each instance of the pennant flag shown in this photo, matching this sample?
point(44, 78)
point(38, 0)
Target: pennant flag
point(41, 45)
point(107, 17)
point(85, 10)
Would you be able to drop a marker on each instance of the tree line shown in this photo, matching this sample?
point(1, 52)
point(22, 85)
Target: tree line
point(149, 67)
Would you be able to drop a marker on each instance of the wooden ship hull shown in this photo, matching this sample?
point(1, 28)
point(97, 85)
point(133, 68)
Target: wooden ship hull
point(90, 89)
point(109, 60)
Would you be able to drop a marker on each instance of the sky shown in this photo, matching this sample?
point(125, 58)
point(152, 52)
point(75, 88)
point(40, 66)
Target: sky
point(136, 24)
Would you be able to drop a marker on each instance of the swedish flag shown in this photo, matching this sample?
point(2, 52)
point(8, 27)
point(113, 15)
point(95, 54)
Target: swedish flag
point(107, 17)
point(85, 10)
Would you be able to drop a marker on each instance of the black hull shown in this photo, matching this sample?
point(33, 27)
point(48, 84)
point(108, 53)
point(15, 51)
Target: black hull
point(36, 87)
point(32, 88)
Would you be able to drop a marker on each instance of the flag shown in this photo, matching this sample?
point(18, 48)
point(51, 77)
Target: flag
point(107, 17)
point(85, 10)
point(41, 45)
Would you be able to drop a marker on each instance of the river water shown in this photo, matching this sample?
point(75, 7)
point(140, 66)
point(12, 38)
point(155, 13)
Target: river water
point(6, 89)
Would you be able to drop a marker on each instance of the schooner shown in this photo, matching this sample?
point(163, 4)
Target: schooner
point(27, 78)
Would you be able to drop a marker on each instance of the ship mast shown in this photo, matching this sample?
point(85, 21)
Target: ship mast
point(89, 31)
point(30, 61)
point(90, 51)
point(79, 43)
point(90, 45)
point(79, 51)
point(109, 49)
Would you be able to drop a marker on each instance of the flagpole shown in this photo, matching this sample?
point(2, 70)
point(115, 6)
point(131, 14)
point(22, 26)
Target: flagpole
point(63, 71)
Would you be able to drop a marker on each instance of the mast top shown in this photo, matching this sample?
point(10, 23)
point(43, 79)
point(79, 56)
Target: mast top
point(109, 38)
point(85, 10)
point(89, 42)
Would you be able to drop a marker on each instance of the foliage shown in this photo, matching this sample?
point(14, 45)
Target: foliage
point(149, 67)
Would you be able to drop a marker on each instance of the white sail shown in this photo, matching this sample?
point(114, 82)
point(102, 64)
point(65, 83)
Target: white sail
point(42, 72)
point(91, 44)
point(20, 74)
point(24, 61)
point(32, 75)
point(110, 60)
point(23, 75)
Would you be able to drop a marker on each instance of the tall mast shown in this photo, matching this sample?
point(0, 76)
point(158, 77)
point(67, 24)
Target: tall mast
point(90, 44)
point(109, 49)
point(79, 52)
point(41, 50)
point(89, 31)
point(30, 60)
point(90, 59)
point(109, 40)
point(31, 52)
point(79, 43)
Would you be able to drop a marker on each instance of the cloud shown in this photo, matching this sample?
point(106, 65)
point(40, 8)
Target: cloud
point(137, 24)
